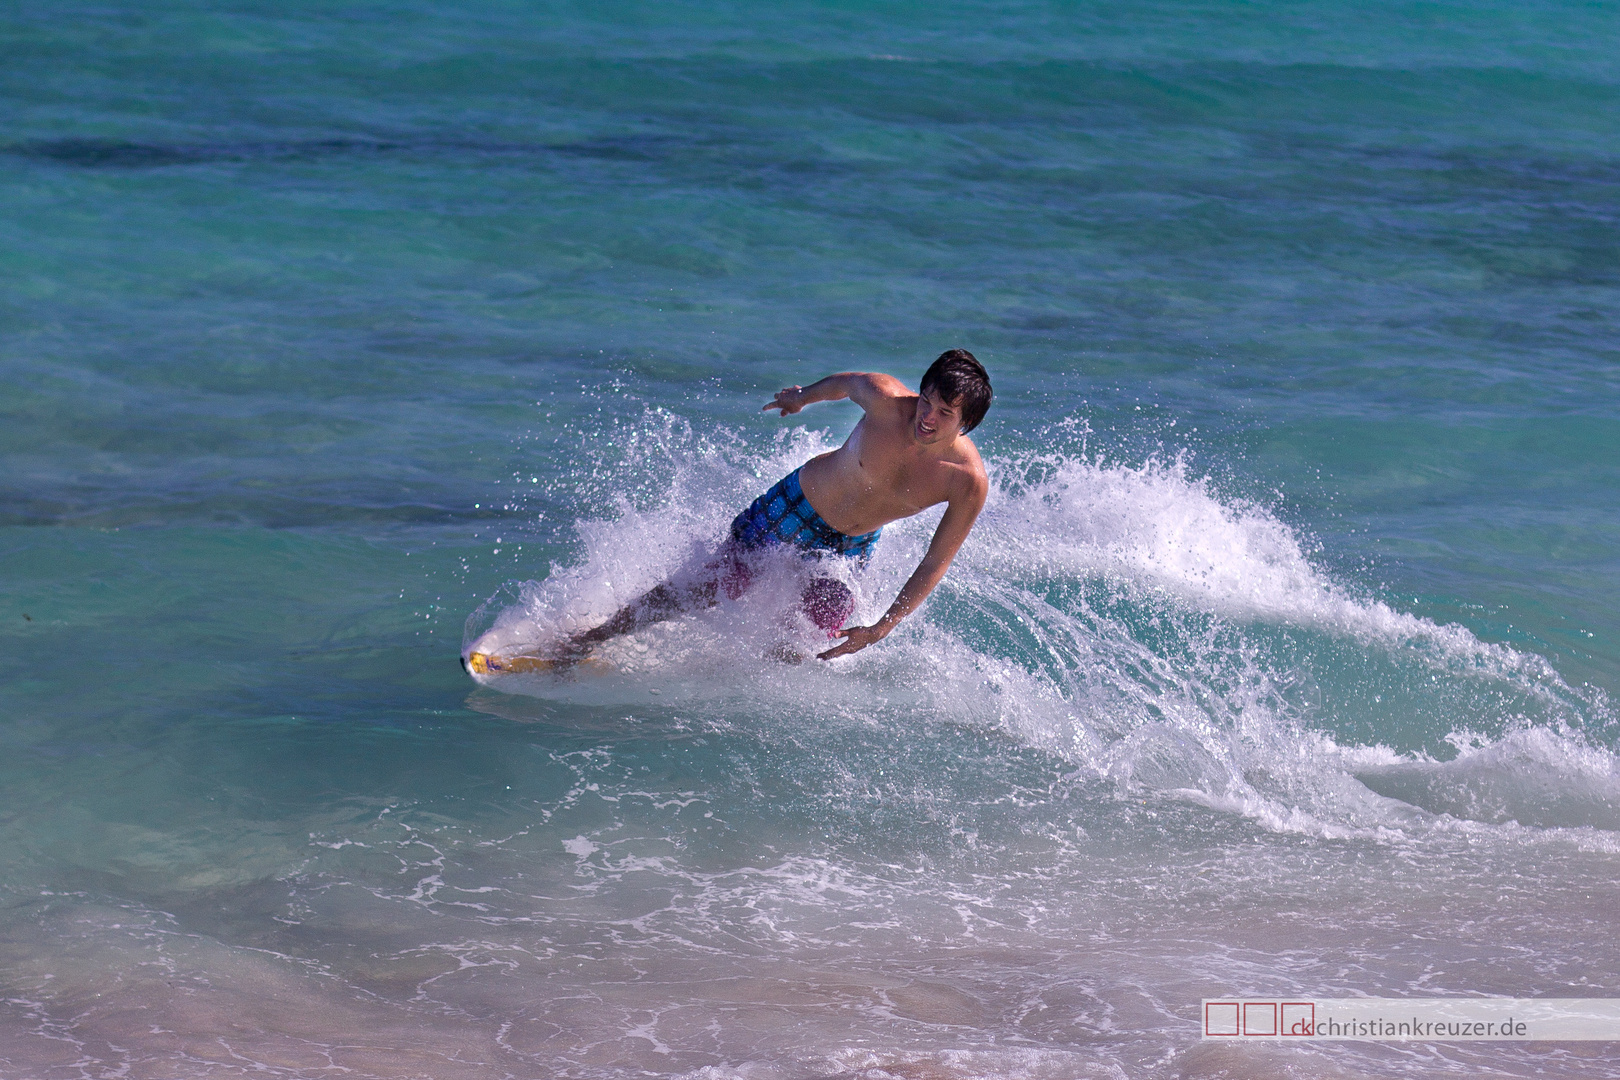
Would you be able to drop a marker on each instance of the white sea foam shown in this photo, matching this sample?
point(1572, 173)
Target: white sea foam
point(1125, 616)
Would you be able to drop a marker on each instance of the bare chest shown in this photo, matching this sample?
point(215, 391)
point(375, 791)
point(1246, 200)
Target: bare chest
point(889, 471)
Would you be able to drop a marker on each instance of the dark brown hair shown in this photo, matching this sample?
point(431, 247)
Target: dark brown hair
point(960, 381)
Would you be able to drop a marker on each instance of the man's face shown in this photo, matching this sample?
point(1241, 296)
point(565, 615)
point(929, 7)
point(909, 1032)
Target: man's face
point(936, 421)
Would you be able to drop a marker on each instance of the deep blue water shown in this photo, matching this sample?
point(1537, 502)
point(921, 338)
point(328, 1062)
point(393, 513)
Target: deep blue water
point(1287, 639)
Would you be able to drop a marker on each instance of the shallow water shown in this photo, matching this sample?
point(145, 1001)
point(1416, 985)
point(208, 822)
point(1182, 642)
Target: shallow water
point(1279, 663)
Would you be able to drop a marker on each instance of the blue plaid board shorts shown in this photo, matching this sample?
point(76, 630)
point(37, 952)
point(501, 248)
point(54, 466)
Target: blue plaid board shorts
point(784, 516)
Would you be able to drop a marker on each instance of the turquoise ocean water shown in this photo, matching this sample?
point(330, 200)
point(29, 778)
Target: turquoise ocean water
point(1280, 663)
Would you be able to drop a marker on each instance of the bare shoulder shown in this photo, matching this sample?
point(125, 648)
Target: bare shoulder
point(879, 393)
point(968, 477)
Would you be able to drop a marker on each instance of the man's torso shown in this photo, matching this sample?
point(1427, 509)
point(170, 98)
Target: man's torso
point(881, 474)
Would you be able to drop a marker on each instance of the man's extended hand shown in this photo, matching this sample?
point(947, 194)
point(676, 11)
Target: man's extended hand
point(855, 638)
point(790, 400)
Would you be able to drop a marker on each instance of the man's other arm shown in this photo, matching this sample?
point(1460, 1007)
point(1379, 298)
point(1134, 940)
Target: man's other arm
point(960, 514)
point(864, 388)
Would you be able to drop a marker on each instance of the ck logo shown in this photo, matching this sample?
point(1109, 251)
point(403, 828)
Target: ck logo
point(1259, 1018)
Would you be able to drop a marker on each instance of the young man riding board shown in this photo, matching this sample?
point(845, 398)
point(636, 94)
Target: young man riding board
point(909, 452)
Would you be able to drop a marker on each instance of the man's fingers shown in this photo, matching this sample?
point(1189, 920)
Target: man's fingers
point(787, 408)
point(849, 645)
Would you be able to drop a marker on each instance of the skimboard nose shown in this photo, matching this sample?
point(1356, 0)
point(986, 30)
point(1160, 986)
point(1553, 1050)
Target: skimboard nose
point(501, 652)
point(479, 663)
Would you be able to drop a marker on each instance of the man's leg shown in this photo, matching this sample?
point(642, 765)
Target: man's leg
point(828, 602)
point(654, 606)
point(727, 570)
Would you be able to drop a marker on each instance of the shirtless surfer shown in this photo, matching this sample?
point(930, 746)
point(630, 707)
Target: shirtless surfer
point(909, 452)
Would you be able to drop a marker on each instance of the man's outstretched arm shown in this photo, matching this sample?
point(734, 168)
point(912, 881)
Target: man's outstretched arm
point(862, 387)
point(960, 514)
